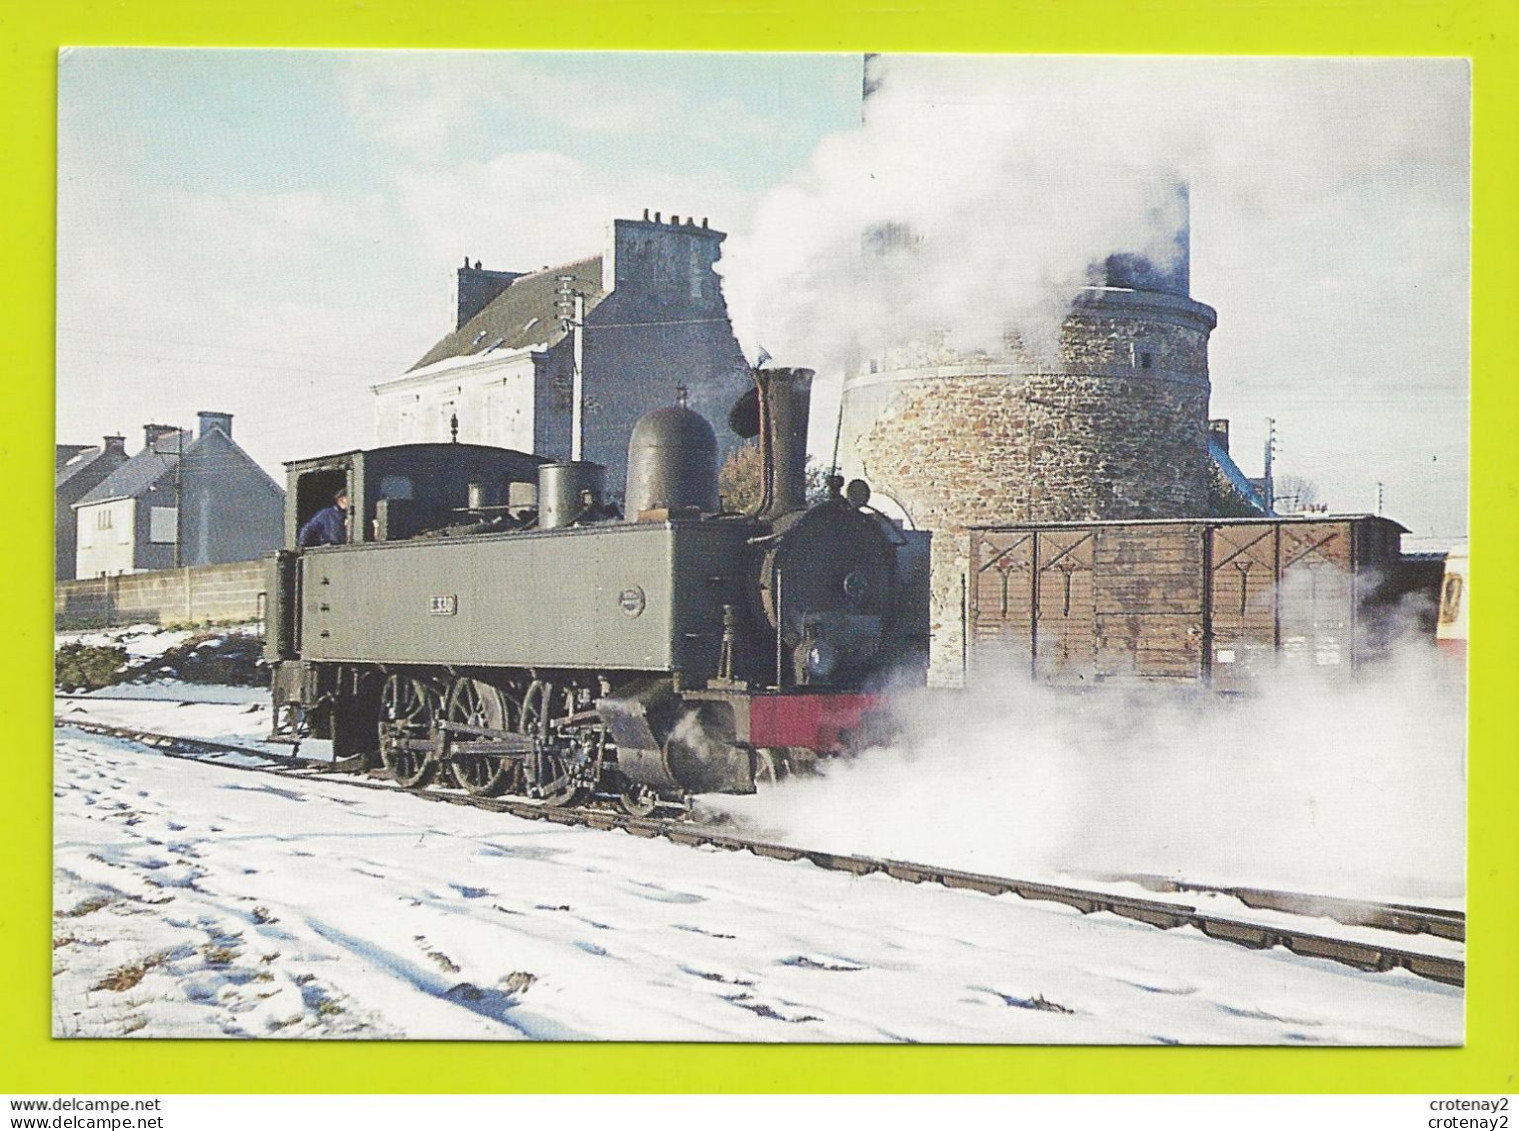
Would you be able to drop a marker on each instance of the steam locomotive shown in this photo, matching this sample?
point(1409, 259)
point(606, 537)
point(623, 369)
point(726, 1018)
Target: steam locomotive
point(492, 619)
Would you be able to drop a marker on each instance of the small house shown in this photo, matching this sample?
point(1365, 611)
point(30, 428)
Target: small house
point(187, 499)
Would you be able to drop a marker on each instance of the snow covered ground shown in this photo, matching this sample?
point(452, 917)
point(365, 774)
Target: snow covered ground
point(194, 900)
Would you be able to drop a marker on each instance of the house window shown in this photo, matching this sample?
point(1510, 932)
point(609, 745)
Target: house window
point(163, 524)
point(103, 519)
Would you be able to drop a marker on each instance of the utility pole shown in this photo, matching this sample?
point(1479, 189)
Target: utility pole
point(1270, 455)
point(577, 381)
point(179, 498)
point(570, 303)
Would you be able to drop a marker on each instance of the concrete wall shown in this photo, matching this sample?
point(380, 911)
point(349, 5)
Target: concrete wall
point(175, 596)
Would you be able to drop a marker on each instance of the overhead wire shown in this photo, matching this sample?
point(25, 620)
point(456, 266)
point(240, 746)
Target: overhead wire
point(220, 345)
point(219, 364)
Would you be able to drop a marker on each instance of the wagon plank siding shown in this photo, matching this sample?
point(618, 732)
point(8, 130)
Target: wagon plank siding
point(1150, 598)
point(1181, 600)
point(1001, 602)
point(1065, 634)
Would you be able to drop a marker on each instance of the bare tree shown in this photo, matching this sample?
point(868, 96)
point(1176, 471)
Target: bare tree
point(740, 481)
point(1294, 493)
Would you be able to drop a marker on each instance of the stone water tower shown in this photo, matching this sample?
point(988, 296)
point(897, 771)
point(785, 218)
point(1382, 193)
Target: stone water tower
point(1114, 425)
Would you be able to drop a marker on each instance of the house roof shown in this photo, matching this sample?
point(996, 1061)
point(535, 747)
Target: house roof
point(523, 316)
point(144, 471)
point(1234, 477)
point(76, 464)
point(135, 477)
point(62, 453)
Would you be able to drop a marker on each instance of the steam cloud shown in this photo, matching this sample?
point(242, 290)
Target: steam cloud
point(1342, 789)
point(970, 205)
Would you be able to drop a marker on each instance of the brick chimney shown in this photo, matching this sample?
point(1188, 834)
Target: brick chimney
point(1218, 432)
point(670, 260)
point(114, 444)
point(478, 288)
point(220, 421)
point(152, 433)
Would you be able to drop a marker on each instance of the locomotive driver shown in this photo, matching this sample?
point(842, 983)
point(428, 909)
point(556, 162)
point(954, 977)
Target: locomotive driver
point(329, 526)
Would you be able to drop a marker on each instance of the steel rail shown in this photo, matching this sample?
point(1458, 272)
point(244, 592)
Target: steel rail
point(1443, 923)
point(1363, 955)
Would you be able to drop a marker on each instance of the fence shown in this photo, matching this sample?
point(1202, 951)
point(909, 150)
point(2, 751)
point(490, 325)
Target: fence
point(191, 595)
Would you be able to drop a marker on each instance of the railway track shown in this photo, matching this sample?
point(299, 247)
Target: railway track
point(1165, 914)
point(95, 700)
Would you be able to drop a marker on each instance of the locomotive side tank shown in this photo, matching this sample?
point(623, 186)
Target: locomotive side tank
point(677, 651)
point(638, 597)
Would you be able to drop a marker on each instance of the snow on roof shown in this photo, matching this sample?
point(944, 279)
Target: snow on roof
point(75, 464)
point(136, 477)
point(522, 316)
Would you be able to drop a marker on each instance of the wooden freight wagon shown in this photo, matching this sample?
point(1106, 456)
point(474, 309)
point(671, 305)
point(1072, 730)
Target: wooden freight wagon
point(1178, 600)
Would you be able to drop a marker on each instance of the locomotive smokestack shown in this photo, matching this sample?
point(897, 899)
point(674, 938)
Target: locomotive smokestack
point(787, 393)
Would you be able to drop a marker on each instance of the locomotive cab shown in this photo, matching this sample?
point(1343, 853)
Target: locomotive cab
point(395, 493)
point(401, 491)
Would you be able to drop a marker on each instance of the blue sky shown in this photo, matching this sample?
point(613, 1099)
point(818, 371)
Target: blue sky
point(273, 121)
point(269, 232)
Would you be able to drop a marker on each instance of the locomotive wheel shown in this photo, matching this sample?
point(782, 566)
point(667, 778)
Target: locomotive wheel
point(538, 707)
point(412, 703)
point(478, 704)
point(638, 801)
point(767, 771)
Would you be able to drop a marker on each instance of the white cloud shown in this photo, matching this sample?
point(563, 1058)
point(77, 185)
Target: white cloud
point(524, 210)
point(170, 302)
point(425, 105)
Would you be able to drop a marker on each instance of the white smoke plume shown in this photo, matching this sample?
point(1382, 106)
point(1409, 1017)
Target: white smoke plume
point(948, 215)
point(979, 190)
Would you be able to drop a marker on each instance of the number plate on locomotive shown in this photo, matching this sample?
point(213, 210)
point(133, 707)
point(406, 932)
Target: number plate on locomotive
point(444, 606)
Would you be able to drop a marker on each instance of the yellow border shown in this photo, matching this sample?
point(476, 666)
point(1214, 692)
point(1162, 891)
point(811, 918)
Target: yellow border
point(30, 33)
